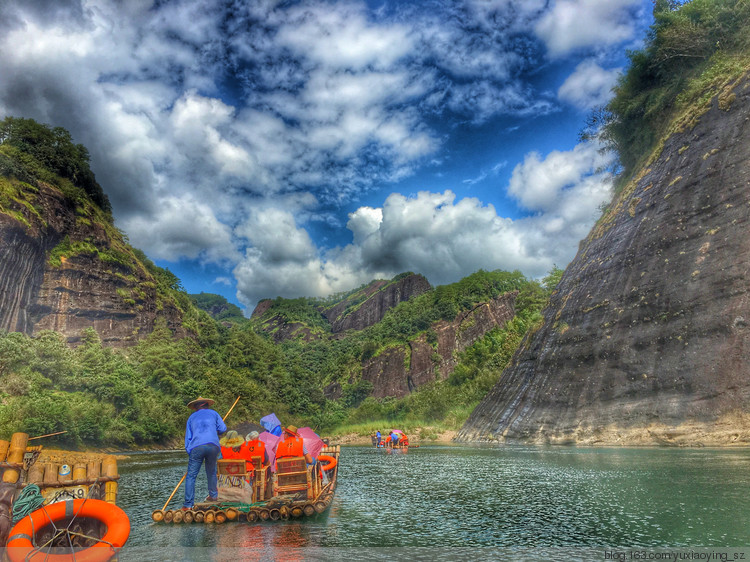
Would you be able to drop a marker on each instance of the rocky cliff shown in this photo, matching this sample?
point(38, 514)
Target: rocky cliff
point(647, 338)
point(398, 371)
point(367, 306)
point(64, 267)
point(286, 319)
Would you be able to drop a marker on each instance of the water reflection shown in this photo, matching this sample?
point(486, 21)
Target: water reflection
point(519, 497)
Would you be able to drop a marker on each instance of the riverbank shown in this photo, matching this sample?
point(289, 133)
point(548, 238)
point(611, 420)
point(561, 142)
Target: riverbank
point(424, 436)
point(62, 455)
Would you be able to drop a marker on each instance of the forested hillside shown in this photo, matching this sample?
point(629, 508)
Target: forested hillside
point(136, 397)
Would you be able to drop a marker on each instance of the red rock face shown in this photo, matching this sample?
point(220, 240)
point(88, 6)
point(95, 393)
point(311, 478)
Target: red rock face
point(393, 375)
point(118, 301)
point(648, 327)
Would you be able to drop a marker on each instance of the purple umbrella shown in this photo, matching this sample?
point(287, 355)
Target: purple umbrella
point(271, 423)
point(271, 441)
point(311, 440)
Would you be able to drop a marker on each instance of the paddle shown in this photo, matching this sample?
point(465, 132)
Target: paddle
point(185, 475)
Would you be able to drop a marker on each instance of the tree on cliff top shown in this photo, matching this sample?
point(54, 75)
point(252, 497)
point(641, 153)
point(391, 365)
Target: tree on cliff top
point(686, 40)
point(53, 148)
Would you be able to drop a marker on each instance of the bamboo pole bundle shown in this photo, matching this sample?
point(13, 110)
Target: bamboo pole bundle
point(93, 470)
point(109, 467)
point(35, 474)
point(50, 474)
point(4, 446)
point(79, 473)
point(16, 450)
point(188, 517)
point(220, 517)
point(208, 517)
point(198, 517)
point(177, 517)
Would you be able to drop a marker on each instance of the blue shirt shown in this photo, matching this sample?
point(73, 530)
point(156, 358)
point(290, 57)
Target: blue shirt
point(203, 427)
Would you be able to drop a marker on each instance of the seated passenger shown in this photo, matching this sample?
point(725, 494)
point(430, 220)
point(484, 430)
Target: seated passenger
point(254, 447)
point(231, 445)
point(292, 445)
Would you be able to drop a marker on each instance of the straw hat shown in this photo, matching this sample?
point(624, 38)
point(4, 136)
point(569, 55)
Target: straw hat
point(231, 439)
point(200, 400)
point(252, 436)
point(291, 429)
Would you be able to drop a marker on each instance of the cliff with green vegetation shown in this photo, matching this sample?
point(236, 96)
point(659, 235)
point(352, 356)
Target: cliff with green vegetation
point(64, 266)
point(308, 318)
point(219, 308)
point(646, 340)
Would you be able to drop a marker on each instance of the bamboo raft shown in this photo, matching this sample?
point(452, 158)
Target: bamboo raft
point(294, 491)
point(60, 476)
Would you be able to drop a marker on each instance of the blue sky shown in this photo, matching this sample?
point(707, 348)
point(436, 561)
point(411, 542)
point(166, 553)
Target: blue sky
point(264, 148)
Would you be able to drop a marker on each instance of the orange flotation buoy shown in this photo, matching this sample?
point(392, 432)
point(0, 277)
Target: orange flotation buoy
point(20, 546)
point(331, 462)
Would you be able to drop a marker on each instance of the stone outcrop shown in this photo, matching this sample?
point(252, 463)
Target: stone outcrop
point(357, 311)
point(647, 338)
point(400, 370)
point(368, 306)
point(117, 298)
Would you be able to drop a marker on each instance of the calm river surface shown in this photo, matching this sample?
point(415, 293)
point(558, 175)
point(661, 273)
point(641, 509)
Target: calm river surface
point(451, 502)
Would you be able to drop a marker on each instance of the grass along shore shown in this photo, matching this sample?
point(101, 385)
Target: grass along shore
point(360, 434)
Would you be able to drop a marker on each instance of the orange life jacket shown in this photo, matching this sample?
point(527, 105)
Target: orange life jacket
point(229, 453)
point(255, 448)
point(290, 447)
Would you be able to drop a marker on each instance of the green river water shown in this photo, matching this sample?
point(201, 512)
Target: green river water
point(459, 502)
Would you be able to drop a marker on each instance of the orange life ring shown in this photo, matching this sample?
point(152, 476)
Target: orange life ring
point(20, 546)
point(331, 462)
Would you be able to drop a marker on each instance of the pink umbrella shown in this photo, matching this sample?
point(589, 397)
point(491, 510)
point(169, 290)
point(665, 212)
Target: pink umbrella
point(271, 441)
point(397, 431)
point(311, 440)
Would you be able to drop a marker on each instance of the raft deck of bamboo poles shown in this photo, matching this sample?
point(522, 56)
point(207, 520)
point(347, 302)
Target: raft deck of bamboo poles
point(86, 475)
point(278, 508)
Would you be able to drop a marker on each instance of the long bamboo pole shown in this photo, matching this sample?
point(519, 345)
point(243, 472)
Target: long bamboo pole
point(48, 435)
point(185, 475)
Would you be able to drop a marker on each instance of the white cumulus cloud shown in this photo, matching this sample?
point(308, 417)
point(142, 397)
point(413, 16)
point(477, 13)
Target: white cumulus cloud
point(436, 234)
point(577, 24)
point(589, 86)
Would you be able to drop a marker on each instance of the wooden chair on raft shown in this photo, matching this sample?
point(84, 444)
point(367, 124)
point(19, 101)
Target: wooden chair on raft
point(292, 477)
point(261, 479)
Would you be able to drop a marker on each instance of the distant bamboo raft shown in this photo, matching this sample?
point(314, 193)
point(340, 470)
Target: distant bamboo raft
point(278, 508)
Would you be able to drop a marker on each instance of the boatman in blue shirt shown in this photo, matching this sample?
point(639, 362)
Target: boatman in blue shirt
point(202, 444)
